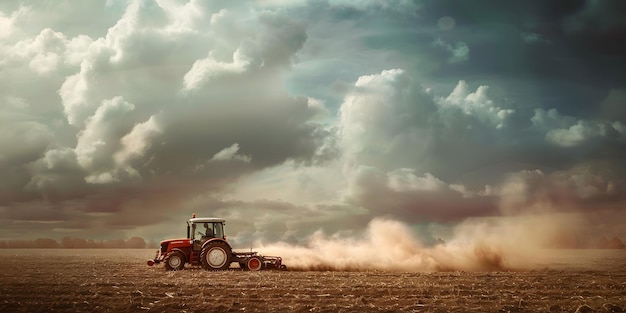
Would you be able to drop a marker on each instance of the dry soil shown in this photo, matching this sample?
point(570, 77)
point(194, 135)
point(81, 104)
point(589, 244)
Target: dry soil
point(120, 281)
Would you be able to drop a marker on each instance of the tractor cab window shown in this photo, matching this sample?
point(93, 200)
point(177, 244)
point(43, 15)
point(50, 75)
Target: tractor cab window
point(199, 231)
point(218, 230)
point(204, 231)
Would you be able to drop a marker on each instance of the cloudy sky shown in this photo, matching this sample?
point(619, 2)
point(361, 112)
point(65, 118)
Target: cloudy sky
point(121, 118)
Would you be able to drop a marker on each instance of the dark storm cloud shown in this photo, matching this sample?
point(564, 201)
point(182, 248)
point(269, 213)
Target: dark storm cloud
point(574, 62)
point(528, 48)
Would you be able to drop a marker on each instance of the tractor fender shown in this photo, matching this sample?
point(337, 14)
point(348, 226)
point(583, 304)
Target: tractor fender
point(212, 240)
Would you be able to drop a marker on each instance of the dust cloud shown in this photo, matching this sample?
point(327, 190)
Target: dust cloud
point(494, 244)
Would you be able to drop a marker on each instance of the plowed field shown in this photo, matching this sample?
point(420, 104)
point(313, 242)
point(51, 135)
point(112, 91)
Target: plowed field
point(119, 281)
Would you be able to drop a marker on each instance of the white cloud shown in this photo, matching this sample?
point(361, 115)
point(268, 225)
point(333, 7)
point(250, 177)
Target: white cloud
point(381, 126)
point(78, 49)
point(96, 143)
point(205, 69)
point(405, 6)
point(576, 134)
point(370, 114)
point(101, 178)
point(6, 27)
point(138, 141)
point(320, 110)
point(549, 119)
point(477, 104)
point(44, 63)
point(118, 36)
point(281, 3)
point(7, 23)
point(230, 153)
point(183, 17)
point(43, 53)
point(60, 159)
point(72, 94)
point(567, 131)
point(404, 179)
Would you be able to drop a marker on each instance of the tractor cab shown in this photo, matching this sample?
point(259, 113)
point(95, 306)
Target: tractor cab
point(202, 229)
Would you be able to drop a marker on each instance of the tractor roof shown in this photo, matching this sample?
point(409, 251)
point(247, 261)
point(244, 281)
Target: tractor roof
point(206, 220)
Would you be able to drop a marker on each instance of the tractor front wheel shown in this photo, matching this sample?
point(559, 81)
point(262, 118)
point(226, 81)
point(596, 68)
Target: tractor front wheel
point(174, 261)
point(215, 256)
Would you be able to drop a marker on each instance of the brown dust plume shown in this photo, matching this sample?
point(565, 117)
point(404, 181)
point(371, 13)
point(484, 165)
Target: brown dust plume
point(496, 244)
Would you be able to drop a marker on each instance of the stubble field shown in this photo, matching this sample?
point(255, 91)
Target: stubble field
point(119, 281)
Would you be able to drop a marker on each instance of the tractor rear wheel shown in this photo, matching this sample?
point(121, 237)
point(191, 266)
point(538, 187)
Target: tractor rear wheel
point(254, 263)
point(174, 261)
point(215, 256)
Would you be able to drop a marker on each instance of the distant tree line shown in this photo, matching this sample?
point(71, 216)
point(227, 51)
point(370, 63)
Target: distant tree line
point(78, 243)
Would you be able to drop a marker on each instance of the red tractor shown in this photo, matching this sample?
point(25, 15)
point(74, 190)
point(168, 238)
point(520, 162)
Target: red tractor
point(206, 246)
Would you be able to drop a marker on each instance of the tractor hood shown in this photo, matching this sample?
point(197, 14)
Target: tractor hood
point(171, 243)
point(174, 240)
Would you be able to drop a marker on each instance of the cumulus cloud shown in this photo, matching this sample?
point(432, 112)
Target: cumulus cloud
point(120, 120)
point(575, 134)
point(404, 179)
point(389, 120)
point(203, 70)
point(138, 140)
point(73, 94)
point(7, 22)
point(476, 103)
point(566, 131)
point(394, 5)
point(183, 17)
point(381, 116)
point(230, 153)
